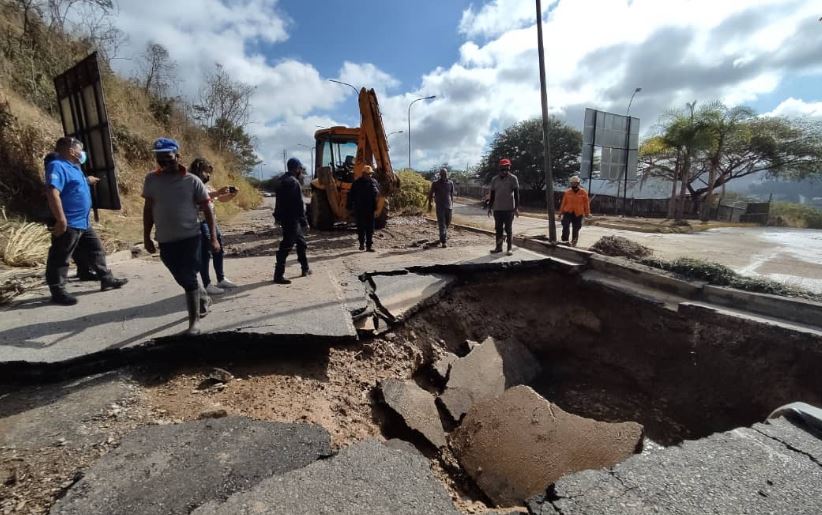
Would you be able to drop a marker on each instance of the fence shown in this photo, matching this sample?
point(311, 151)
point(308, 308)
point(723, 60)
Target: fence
point(647, 208)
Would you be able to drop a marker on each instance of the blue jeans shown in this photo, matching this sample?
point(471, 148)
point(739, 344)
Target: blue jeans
point(209, 255)
point(182, 258)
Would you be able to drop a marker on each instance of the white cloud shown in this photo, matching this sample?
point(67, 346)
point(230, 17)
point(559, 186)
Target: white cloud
point(499, 16)
point(798, 108)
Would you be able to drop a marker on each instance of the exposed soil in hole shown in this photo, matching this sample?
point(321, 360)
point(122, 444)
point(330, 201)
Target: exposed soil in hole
point(613, 358)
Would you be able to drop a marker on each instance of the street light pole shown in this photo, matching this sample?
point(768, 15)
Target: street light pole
point(356, 91)
point(409, 124)
point(549, 176)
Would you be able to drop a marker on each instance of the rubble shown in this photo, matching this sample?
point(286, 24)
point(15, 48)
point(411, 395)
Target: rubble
point(517, 444)
point(485, 373)
point(442, 367)
point(416, 407)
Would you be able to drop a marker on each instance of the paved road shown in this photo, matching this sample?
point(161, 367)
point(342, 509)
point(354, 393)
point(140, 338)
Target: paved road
point(788, 255)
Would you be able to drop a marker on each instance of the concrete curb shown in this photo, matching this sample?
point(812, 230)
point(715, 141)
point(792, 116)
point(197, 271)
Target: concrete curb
point(646, 275)
point(796, 310)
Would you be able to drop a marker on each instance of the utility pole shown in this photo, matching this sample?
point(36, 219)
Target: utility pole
point(285, 161)
point(627, 154)
point(549, 176)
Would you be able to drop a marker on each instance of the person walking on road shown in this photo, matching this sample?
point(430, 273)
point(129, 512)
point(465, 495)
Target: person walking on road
point(504, 203)
point(574, 206)
point(289, 212)
point(203, 169)
point(442, 192)
point(173, 201)
point(362, 199)
point(68, 192)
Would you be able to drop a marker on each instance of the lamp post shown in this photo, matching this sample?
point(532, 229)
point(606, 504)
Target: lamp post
point(549, 176)
point(311, 150)
point(627, 153)
point(409, 124)
point(345, 84)
point(260, 170)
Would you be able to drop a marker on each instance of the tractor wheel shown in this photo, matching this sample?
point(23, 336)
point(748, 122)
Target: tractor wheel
point(381, 221)
point(319, 212)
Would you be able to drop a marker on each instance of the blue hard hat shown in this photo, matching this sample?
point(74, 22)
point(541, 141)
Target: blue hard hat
point(165, 145)
point(293, 164)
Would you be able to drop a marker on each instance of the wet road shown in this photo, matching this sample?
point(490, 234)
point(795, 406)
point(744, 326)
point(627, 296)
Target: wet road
point(792, 256)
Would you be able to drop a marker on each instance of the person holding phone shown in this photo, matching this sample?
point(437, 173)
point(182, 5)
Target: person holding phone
point(203, 169)
point(68, 192)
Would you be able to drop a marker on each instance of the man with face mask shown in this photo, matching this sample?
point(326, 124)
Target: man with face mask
point(69, 198)
point(575, 205)
point(173, 201)
point(504, 203)
point(289, 212)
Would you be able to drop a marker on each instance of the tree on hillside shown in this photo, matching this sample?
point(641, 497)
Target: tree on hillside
point(236, 141)
point(522, 144)
point(708, 148)
point(223, 98)
point(158, 70)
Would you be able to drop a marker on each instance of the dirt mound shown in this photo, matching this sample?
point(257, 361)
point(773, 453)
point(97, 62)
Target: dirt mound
point(619, 246)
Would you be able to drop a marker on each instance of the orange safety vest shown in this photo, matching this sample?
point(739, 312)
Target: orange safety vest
point(575, 202)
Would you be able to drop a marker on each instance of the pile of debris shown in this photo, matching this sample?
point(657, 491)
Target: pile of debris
point(618, 246)
point(512, 442)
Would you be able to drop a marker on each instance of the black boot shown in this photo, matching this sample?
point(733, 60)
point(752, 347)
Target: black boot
point(306, 272)
point(279, 274)
point(110, 282)
point(193, 307)
point(59, 295)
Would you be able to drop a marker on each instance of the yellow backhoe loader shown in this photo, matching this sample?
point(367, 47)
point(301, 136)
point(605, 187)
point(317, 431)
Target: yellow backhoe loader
point(341, 155)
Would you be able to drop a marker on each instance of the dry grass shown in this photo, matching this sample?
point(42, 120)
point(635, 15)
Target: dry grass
point(23, 243)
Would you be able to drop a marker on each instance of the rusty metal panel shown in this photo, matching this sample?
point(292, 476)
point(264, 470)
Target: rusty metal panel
point(82, 107)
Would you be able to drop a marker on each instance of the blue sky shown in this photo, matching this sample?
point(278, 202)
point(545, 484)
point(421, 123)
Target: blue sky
point(479, 58)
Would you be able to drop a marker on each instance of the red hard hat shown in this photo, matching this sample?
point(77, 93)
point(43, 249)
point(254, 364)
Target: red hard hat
point(505, 162)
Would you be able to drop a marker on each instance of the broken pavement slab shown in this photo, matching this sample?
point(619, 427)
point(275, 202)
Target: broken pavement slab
point(367, 477)
point(487, 371)
point(773, 467)
point(416, 407)
point(516, 445)
point(442, 367)
point(171, 469)
point(402, 294)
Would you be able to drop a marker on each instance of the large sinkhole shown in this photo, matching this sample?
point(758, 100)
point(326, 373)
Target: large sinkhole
point(614, 357)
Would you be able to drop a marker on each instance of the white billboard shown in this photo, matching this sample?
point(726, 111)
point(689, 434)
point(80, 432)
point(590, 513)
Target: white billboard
point(614, 134)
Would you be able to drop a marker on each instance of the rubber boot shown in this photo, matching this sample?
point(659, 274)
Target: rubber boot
point(498, 247)
point(205, 302)
point(279, 274)
point(193, 306)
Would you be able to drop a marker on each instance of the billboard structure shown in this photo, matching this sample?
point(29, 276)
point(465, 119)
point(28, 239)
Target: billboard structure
point(618, 137)
point(83, 113)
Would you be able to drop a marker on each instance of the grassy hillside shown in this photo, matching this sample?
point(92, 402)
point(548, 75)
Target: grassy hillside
point(29, 125)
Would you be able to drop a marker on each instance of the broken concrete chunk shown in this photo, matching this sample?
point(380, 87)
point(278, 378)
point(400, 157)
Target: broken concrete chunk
point(416, 407)
point(442, 366)
point(170, 469)
point(485, 373)
point(402, 295)
point(367, 477)
point(516, 445)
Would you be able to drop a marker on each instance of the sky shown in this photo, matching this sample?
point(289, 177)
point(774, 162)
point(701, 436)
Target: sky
point(480, 60)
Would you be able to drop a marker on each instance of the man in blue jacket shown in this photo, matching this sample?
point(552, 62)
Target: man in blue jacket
point(69, 197)
point(289, 212)
point(362, 199)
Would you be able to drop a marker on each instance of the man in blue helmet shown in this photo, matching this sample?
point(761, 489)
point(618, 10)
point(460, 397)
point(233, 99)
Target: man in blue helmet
point(69, 197)
point(173, 201)
point(289, 212)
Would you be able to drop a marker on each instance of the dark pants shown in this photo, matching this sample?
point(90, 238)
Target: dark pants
point(206, 255)
point(443, 221)
point(570, 219)
point(365, 228)
point(182, 258)
point(293, 234)
point(504, 220)
point(84, 242)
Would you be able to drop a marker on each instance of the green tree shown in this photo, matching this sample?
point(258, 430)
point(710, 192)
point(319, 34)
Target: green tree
point(522, 144)
point(236, 141)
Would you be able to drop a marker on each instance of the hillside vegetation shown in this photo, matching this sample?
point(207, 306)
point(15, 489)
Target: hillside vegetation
point(35, 47)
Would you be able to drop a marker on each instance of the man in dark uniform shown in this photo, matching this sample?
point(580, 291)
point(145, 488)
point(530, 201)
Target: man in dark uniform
point(362, 199)
point(289, 212)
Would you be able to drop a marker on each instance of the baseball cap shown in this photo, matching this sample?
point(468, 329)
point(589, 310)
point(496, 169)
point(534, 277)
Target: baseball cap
point(162, 145)
point(505, 162)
